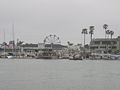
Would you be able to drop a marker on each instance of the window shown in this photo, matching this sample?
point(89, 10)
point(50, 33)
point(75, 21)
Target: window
point(106, 42)
point(103, 47)
point(94, 47)
point(114, 42)
point(114, 47)
point(97, 42)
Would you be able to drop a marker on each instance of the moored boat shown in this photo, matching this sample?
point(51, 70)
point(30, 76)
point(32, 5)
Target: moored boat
point(97, 56)
point(76, 57)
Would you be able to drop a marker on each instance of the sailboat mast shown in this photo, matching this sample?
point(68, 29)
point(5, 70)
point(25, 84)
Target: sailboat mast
point(13, 38)
point(4, 43)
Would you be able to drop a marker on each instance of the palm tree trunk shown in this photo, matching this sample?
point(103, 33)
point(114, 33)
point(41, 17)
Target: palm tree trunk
point(111, 36)
point(105, 33)
point(105, 39)
point(111, 44)
point(91, 37)
point(84, 40)
point(84, 47)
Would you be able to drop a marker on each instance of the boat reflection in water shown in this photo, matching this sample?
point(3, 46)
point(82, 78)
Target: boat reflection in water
point(47, 54)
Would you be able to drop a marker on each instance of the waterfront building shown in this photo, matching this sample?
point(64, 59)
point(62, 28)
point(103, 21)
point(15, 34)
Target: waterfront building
point(108, 45)
point(29, 49)
point(34, 49)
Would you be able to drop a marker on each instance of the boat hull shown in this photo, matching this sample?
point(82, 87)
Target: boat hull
point(47, 57)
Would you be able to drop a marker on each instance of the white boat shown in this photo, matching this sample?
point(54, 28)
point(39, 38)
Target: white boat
point(76, 57)
point(97, 56)
point(115, 57)
point(10, 57)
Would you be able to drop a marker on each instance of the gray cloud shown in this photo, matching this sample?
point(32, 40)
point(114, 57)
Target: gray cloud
point(34, 19)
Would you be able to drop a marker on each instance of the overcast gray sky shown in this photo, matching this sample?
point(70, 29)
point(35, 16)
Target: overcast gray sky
point(35, 19)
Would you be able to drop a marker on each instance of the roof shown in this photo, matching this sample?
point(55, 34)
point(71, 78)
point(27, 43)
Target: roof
point(103, 39)
point(30, 45)
point(55, 46)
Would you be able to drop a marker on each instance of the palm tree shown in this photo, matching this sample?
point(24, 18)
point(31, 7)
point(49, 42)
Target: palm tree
point(84, 31)
point(105, 26)
point(19, 43)
point(69, 44)
point(91, 32)
point(4, 44)
point(108, 33)
point(111, 33)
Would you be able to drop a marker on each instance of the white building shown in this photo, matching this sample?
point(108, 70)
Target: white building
point(102, 45)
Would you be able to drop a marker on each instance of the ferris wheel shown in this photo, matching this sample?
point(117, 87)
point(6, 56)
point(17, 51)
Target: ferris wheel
point(52, 39)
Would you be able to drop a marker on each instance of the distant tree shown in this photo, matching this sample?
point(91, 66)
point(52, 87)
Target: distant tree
point(70, 44)
point(84, 32)
point(91, 32)
point(87, 46)
point(4, 44)
point(111, 33)
point(79, 44)
point(11, 43)
point(108, 33)
point(19, 43)
point(105, 26)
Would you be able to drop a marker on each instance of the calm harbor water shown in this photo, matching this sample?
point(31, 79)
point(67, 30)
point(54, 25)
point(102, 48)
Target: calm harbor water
point(35, 74)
